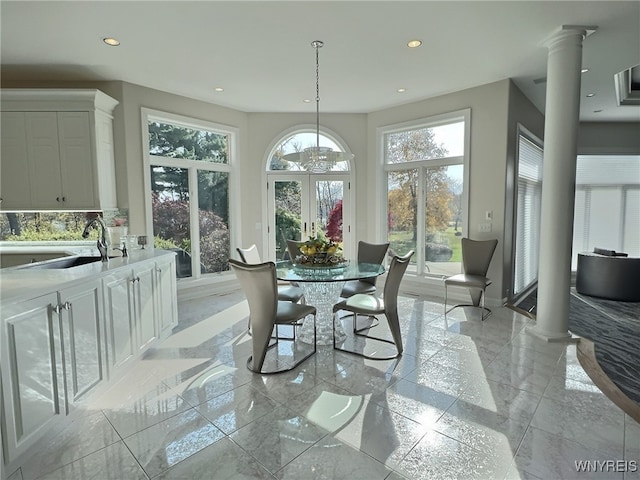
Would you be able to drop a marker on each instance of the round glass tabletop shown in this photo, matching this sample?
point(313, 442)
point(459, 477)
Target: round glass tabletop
point(292, 272)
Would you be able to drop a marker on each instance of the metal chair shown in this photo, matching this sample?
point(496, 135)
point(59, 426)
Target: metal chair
point(367, 253)
point(372, 305)
point(259, 283)
point(293, 249)
point(476, 257)
point(286, 293)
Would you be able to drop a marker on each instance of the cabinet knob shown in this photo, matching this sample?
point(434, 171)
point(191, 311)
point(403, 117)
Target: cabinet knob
point(57, 199)
point(55, 308)
point(67, 305)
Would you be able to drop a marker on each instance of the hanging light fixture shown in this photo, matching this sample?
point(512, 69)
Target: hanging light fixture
point(317, 159)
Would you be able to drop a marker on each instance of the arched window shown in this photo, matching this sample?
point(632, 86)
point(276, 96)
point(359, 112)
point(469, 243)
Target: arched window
point(297, 141)
point(303, 203)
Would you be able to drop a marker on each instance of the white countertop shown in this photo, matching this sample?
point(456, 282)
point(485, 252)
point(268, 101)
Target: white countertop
point(22, 282)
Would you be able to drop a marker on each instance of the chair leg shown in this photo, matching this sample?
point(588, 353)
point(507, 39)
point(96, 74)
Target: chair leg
point(306, 357)
point(481, 306)
point(445, 299)
point(355, 316)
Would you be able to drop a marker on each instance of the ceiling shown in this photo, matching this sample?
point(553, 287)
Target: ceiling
point(260, 52)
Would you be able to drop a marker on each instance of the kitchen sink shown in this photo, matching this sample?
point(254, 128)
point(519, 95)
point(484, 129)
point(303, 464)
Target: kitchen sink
point(65, 262)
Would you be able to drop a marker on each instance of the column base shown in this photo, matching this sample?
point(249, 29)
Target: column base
point(551, 337)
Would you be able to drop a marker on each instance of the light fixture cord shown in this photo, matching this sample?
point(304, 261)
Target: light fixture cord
point(317, 44)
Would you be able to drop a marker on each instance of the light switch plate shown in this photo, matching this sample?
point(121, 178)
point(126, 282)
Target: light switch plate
point(484, 227)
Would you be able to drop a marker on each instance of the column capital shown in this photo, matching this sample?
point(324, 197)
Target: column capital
point(567, 33)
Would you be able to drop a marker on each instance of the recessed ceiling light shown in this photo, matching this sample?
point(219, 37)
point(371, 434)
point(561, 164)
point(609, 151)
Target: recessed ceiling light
point(414, 43)
point(112, 42)
point(401, 90)
point(584, 70)
point(219, 89)
point(306, 100)
point(589, 95)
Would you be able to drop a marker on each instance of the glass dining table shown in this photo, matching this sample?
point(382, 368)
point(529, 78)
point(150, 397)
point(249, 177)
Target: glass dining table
point(322, 286)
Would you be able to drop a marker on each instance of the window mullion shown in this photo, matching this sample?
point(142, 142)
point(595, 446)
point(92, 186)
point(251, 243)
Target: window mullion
point(194, 222)
point(421, 221)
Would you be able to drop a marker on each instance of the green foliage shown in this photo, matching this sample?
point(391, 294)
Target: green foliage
point(42, 226)
point(171, 225)
point(163, 243)
point(174, 141)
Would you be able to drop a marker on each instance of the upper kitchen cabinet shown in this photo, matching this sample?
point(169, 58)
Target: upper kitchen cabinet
point(57, 150)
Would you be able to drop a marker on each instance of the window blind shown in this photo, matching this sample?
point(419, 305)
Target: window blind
point(528, 199)
point(607, 204)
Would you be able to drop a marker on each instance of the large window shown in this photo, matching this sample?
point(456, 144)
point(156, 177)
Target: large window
point(528, 201)
point(424, 165)
point(607, 206)
point(189, 165)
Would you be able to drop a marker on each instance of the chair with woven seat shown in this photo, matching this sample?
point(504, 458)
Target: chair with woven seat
point(476, 258)
point(259, 284)
point(372, 305)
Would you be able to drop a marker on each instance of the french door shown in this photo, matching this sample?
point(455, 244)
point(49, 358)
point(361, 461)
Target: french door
point(303, 205)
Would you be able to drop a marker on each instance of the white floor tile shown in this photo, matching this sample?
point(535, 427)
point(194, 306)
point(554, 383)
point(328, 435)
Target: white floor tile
point(467, 399)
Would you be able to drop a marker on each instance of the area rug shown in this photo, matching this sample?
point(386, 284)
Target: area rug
point(611, 330)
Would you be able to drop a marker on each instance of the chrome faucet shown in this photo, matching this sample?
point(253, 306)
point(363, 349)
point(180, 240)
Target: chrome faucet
point(102, 241)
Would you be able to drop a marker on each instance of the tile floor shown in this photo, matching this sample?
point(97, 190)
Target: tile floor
point(468, 399)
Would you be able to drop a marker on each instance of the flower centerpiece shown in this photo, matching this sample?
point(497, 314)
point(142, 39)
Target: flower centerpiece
point(319, 252)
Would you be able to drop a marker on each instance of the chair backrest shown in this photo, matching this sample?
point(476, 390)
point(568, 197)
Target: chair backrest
point(259, 283)
point(293, 249)
point(249, 255)
point(394, 277)
point(371, 253)
point(477, 255)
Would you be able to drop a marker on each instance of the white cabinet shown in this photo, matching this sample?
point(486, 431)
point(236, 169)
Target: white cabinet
point(166, 288)
point(140, 303)
point(59, 347)
point(57, 150)
point(120, 318)
point(81, 320)
point(32, 373)
point(144, 298)
point(52, 356)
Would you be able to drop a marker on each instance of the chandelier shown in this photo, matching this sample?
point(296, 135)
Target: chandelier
point(317, 159)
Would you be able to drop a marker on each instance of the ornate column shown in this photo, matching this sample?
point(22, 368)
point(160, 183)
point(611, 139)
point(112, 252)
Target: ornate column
point(562, 111)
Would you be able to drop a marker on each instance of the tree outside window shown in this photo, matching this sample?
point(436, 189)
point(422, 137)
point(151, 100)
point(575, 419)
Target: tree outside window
point(424, 195)
point(189, 171)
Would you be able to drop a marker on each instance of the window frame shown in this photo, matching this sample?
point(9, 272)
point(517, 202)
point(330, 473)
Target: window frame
point(464, 116)
point(192, 167)
point(524, 133)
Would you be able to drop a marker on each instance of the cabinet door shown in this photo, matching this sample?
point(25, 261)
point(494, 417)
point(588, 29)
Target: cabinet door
point(82, 321)
point(145, 305)
point(32, 377)
point(120, 316)
point(76, 162)
point(166, 295)
point(15, 189)
point(44, 159)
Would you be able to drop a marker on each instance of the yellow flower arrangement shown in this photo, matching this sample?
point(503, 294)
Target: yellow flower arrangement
point(318, 251)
